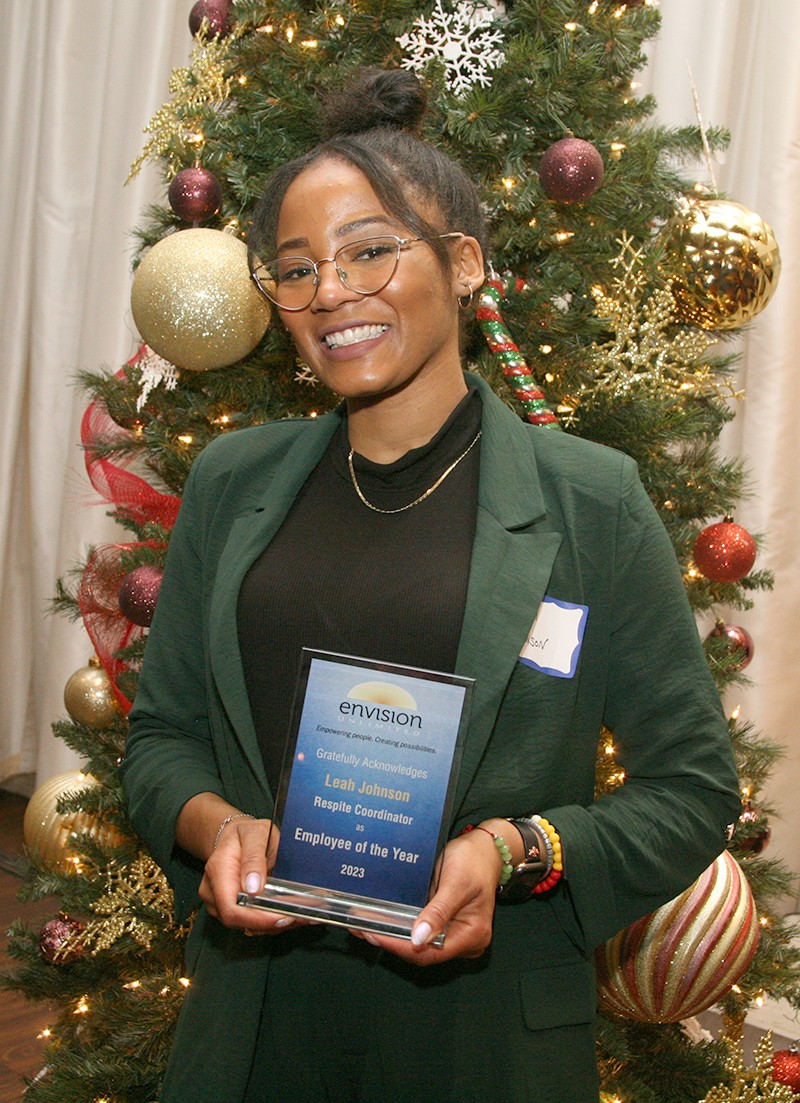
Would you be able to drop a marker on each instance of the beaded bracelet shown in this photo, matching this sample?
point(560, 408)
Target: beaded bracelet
point(226, 821)
point(555, 861)
point(503, 850)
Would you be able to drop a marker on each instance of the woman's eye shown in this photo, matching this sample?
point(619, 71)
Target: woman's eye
point(375, 251)
point(295, 270)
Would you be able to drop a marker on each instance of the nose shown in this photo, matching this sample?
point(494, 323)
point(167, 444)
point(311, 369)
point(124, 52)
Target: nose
point(330, 291)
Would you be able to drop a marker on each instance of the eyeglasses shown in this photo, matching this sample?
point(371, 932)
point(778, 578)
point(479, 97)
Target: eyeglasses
point(364, 266)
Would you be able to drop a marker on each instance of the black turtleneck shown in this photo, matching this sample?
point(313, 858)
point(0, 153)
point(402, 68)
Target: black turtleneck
point(340, 577)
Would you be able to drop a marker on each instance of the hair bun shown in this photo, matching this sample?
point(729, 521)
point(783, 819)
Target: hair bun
point(376, 97)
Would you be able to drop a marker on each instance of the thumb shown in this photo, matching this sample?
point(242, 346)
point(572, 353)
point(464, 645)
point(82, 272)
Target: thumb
point(259, 844)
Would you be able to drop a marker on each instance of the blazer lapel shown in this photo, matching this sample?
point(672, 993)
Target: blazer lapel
point(249, 535)
point(512, 561)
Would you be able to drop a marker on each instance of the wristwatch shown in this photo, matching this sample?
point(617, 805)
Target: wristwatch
point(531, 870)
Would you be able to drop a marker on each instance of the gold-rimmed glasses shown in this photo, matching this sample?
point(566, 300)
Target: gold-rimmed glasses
point(364, 266)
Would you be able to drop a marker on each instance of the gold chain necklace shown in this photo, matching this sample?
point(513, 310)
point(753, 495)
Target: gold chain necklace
point(423, 496)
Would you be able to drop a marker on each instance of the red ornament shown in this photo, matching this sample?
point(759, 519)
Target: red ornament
point(571, 170)
point(738, 640)
point(195, 195)
point(755, 833)
point(217, 12)
point(725, 552)
point(54, 937)
point(138, 594)
point(786, 1067)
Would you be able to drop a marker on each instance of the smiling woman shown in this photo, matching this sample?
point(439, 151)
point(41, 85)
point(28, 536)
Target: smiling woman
point(423, 524)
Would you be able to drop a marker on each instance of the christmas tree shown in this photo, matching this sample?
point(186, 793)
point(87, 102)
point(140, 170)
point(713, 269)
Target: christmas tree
point(612, 279)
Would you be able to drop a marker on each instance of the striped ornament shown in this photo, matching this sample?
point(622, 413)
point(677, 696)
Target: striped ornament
point(681, 959)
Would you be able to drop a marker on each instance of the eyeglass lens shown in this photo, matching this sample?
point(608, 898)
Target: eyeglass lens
point(363, 266)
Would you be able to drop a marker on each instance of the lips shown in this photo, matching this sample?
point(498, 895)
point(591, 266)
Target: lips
point(352, 335)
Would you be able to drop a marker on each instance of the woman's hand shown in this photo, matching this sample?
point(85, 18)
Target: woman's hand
point(240, 863)
point(463, 904)
point(238, 856)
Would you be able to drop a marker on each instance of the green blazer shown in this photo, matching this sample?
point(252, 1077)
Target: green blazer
point(557, 517)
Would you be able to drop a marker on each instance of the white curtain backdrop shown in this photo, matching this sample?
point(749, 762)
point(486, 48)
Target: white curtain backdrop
point(79, 82)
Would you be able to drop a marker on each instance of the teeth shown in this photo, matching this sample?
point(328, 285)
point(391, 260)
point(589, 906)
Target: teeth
point(344, 337)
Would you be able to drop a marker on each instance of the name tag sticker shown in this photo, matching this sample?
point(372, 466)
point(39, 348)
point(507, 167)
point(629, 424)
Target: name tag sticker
point(554, 642)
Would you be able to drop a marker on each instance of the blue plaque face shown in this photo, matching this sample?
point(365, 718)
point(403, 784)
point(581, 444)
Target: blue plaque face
point(365, 795)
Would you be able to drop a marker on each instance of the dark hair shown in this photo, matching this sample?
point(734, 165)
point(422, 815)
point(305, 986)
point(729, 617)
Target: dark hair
point(370, 124)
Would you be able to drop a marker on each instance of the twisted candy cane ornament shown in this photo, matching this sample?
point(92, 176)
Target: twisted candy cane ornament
point(513, 362)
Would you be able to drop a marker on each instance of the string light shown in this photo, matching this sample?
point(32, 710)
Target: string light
point(290, 34)
point(133, 984)
point(184, 981)
point(509, 183)
point(267, 28)
point(571, 26)
point(82, 1006)
point(563, 235)
point(545, 349)
point(243, 78)
point(736, 712)
point(46, 1033)
point(532, 223)
point(594, 6)
point(310, 43)
point(617, 149)
point(186, 438)
point(549, 378)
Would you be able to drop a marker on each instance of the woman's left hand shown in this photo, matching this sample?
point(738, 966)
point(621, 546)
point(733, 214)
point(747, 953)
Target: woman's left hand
point(463, 905)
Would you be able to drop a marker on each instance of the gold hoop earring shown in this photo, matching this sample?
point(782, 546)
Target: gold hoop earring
point(466, 305)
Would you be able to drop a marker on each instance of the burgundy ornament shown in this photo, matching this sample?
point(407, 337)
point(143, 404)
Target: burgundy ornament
point(54, 936)
point(195, 195)
point(725, 552)
point(571, 170)
point(138, 594)
point(738, 639)
point(755, 833)
point(786, 1067)
point(217, 12)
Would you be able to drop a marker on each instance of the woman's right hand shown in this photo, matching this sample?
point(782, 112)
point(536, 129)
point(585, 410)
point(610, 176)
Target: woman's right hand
point(240, 863)
point(238, 858)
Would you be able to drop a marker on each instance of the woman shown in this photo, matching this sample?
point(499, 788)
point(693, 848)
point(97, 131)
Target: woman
point(421, 523)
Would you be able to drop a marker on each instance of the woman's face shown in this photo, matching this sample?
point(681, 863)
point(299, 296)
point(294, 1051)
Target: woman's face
point(368, 346)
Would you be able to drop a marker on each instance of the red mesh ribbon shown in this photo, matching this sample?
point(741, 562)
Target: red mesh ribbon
point(107, 626)
point(128, 493)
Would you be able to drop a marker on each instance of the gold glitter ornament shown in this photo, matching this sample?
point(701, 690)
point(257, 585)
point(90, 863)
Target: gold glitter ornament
point(754, 1084)
point(194, 303)
point(681, 959)
point(137, 902)
point(723, 261)
point(48, 832)
point(89, 698)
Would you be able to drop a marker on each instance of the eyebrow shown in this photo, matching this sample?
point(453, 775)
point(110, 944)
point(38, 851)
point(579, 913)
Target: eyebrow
point(347, 228)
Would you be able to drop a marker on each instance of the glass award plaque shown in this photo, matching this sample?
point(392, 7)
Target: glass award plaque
point(366, 792)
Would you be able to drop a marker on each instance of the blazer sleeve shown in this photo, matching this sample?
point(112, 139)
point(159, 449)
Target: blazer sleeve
point(170, 755)
point(638, 847)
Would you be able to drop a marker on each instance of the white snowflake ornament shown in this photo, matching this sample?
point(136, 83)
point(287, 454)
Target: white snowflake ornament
point(155, 371)
point(465, 38)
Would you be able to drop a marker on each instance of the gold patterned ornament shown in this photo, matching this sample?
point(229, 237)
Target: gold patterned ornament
point(194, 303)
point(646, 354)
point(687, 954)
point(89, 697)
point(723, 261)
point(48, 832)
point(130, 891)
point(753, 1084)
point(176, 123)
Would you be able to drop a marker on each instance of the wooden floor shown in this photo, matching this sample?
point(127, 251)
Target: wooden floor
point(20, 1021)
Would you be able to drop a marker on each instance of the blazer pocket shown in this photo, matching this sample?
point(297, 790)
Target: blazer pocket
point(559, 995)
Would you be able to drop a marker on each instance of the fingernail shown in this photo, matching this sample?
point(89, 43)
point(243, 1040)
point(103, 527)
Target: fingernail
point(370, 938)
point(421, 934)
point(252, 882)
point(285, 922)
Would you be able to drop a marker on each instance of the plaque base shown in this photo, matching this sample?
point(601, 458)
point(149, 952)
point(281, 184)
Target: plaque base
point(342, 909)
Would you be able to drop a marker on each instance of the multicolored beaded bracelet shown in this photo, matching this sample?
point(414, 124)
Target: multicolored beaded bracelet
point(552, 842)
point(502, 847)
